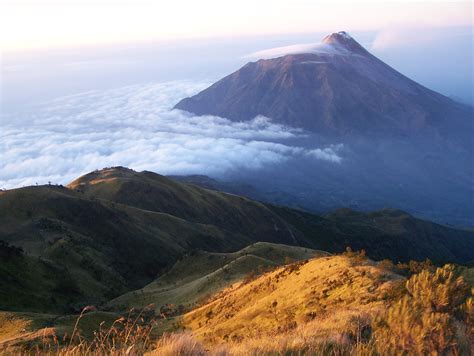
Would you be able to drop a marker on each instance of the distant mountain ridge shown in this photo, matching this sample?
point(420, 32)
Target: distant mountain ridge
point(339, 88)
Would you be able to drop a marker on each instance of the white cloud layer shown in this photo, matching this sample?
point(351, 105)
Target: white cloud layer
point(134, 126)
point(318, 48)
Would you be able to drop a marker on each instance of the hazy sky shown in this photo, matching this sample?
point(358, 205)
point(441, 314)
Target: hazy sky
point(26, 24)
point(86, 84)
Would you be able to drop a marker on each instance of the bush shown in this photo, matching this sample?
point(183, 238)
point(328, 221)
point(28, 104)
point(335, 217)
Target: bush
point(387, 264)
point(441, 291)
point(413, 267)
point(8, 251)
point(249, 277)
point(423, 321)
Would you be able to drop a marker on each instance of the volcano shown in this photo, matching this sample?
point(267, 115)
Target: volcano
point(336, 87)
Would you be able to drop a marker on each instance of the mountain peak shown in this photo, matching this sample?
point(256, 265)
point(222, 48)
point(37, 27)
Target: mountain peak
point(338, 37)
point(344, 40)
point(336, 87)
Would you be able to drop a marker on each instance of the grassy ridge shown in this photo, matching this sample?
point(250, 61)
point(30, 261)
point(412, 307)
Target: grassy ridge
point(153, 192)
point(332, 289)
point(200, 274)
point(341, 304)
point(345, 304)
point(104, 247)
point(194, 277)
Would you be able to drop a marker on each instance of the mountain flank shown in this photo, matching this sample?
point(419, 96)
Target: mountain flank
point(336, 88)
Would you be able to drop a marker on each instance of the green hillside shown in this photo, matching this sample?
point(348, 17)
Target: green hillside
point(153, 192)
point(103, 247)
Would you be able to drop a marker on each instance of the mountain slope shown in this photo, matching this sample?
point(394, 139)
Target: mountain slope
point(339, 88)
point(106, 248)
point(152, 192)
point(344, 305)
point(382, 233)
point(116, 230)
point(200, 273)
point(332, 291)
point(103, 248)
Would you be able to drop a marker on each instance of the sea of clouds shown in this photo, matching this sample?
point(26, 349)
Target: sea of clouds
point(135, 126)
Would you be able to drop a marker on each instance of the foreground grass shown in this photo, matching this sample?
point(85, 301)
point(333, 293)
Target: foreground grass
point(365, 308)
point(330, 290)
point(431, 313)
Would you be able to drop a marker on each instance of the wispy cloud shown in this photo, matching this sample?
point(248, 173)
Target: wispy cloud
point(135, 126)
point(317, 47)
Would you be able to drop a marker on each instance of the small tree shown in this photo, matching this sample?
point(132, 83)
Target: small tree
point(423, 321)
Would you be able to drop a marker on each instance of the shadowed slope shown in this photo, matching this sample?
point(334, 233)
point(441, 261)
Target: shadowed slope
point(386, 233)
point(151, 191)
point(105, 247)
point(102, 248)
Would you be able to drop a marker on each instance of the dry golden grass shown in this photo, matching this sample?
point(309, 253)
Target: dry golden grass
point(178, 344)
point(128, 335)
point(330, 290)
point(12, 326)
point(434, 317)
point(304, 339)
point(339, 305)
point(202, 274)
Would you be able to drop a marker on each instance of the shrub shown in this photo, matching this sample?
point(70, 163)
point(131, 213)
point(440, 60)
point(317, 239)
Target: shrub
point(413, 267)
point(441, 291)
point(418, 267)
point(387, 264)
point(8, 251)
point(249, 277)
point(423, 322)
point(358, 256)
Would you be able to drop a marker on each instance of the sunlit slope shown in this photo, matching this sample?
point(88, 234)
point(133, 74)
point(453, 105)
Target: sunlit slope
point(200, 274)
point(331, 290)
